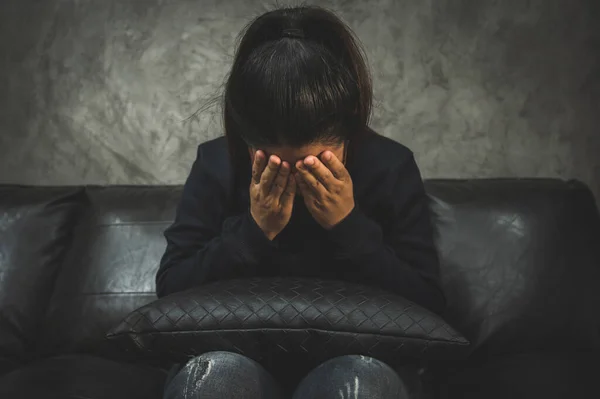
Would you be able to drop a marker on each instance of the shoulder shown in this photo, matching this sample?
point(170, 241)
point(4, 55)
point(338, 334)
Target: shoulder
point(210, 172)
point(386, 151)
point(378, 156)
point(214, 150)
point(385, 178)
point(213, 158)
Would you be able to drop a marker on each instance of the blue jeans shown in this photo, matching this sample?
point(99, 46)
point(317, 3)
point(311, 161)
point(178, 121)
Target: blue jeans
point(229, 375)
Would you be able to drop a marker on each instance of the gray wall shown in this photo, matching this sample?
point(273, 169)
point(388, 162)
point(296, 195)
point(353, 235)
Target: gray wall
point(99, 91)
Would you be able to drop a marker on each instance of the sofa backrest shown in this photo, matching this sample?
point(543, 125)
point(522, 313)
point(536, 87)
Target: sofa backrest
point(520, 262)
point(111, 268)
point(36, 229)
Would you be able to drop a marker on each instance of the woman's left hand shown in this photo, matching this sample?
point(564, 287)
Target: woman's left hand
point(326, 187)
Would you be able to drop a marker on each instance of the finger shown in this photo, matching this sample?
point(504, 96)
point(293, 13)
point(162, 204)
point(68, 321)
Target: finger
point(287, 198)
point(280, 180)
point(300, 184)
point(321, 172)
point(258, 166)
point(335, 166)
point(269, 174)
point(312, 184)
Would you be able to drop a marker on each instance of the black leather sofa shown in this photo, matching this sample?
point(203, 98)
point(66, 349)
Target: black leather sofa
point(520, 266)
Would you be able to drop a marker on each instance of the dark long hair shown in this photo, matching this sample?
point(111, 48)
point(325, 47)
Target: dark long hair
point(299, 77)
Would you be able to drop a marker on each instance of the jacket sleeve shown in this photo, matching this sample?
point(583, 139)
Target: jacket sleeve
point(404, 259)
point(202, 244)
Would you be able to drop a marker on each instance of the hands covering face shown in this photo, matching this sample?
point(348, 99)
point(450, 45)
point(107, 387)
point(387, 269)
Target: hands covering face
point(326, 187)
point(324, 183)
point(272, 191)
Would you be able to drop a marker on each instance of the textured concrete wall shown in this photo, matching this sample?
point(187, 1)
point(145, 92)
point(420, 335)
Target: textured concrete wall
point(100, 91)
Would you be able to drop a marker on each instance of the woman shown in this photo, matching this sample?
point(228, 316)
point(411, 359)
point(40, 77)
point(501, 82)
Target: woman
point(300, 186)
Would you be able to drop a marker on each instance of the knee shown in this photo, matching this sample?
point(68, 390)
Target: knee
point(212, 372)
point(217, 360)
point(362, 375)
point(360, 366)
point(210, 365)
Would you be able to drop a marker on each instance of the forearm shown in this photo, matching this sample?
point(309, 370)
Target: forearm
point(236, 252)
point(384, 268)
point(359, 243)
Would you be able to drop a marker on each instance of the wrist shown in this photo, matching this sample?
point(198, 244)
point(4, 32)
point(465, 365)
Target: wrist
point(259, 236)
point(341, 219)
point(269, 234)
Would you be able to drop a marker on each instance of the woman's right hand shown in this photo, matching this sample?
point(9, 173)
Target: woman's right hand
point(272, 192)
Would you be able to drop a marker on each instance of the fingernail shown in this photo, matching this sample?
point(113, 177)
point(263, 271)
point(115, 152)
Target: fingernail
point(327, 156)
point(309, 161)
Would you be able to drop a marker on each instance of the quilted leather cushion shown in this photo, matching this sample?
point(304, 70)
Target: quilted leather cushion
point(278, 320)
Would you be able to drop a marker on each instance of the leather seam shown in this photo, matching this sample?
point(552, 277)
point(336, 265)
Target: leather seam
point(454, 341)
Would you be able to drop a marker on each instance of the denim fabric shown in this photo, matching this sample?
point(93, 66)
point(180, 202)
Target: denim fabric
point(228, 375)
